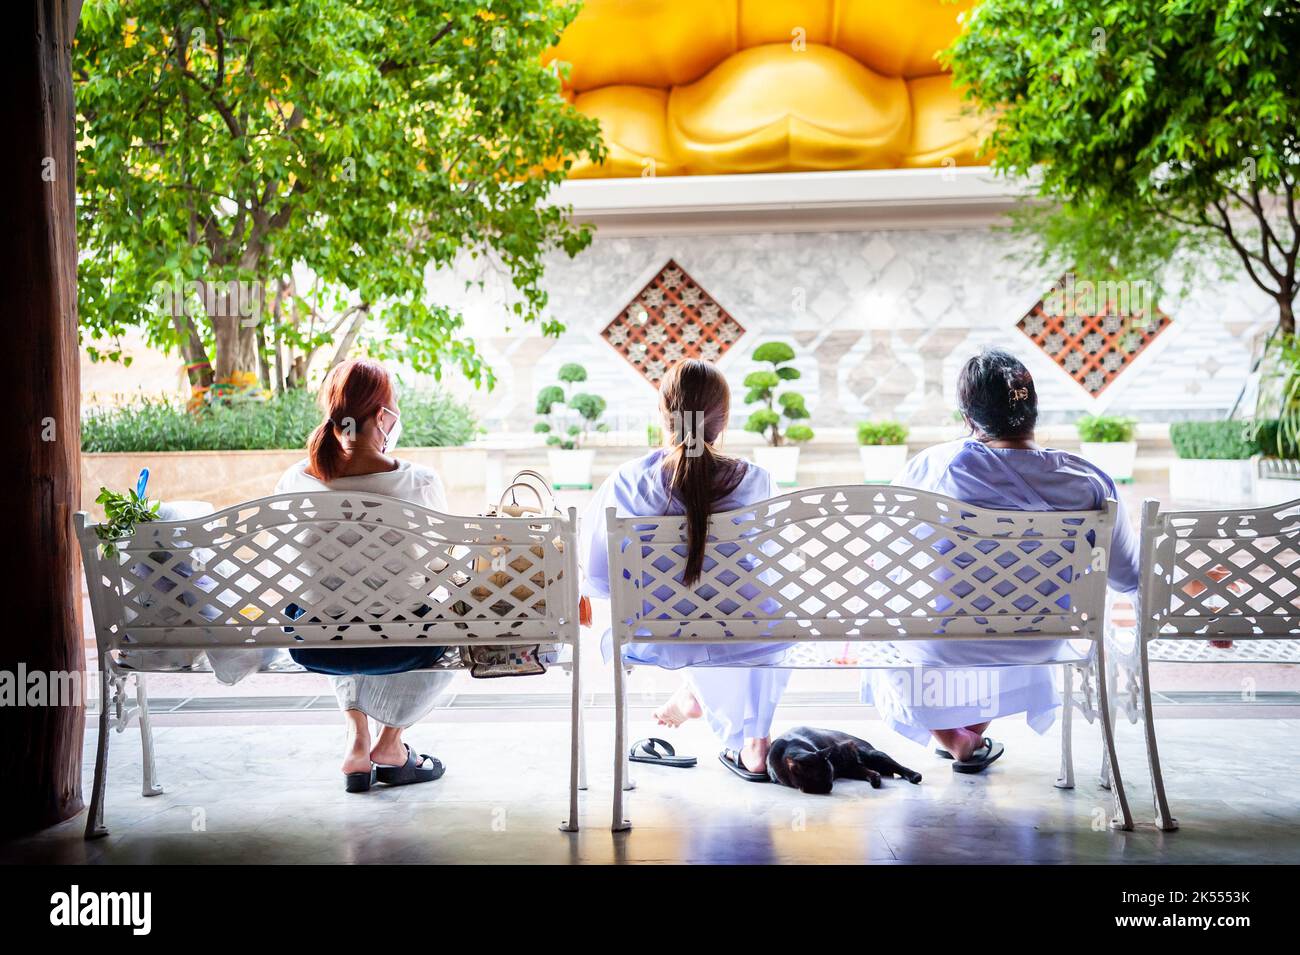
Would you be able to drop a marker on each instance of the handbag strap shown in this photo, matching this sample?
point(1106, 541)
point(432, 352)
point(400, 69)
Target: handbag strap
point(514, 500)
point(542, 486)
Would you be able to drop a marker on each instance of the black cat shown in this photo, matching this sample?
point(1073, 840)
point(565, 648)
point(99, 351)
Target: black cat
point(811, 759)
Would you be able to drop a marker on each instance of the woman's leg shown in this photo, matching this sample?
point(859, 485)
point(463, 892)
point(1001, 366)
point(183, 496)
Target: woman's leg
point(357, 758)
point(739, 704)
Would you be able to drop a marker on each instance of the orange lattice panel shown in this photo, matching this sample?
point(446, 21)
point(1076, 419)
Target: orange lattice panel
point(1093, 349)
point(670, 319)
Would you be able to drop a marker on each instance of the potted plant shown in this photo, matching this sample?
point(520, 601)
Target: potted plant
point(882, 445)
point(1108, 443)
point(570, 461)
point(1214, 461)
point(1275, 469)
point(780, 455)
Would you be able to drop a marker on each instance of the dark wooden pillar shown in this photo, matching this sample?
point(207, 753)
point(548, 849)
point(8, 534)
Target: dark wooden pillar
point(40, 746)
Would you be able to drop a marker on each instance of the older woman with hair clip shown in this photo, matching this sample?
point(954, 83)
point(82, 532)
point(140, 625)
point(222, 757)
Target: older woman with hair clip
point(999, 466)
point(725, 684)
point(351, 450)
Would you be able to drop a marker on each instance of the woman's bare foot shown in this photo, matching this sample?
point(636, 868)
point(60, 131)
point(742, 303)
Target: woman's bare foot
point(389, 750)
point(357, 759)
point(960, 742)
point(681, 706)
point(754, 754)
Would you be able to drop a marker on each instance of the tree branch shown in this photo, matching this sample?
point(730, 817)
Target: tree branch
point(392, 66)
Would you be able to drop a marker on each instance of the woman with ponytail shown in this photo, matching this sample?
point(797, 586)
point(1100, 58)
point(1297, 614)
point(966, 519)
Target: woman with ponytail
point(999, 466)
point(351, 450)
point(726, 684)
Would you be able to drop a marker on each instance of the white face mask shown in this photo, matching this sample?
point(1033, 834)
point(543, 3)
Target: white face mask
point(391, 436)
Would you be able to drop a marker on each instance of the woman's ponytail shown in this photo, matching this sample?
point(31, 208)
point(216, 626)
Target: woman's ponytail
point(696, 402)
point(353, 392)
point(325, 451)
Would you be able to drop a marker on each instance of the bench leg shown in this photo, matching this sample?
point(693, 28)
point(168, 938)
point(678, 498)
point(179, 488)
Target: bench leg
point(150, 784)
point(95, 827)
point(1109, 678)
point(1123, 818)
point(628, 781)
point(575, 741)
point(1066, 779)
point(621, 781)
point(1164, 819)
point(582, 746)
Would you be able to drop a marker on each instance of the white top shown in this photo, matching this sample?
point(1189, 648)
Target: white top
point(408, 482)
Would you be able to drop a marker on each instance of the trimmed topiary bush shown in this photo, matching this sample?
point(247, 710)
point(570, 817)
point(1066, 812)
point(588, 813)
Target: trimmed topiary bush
point(763, 387)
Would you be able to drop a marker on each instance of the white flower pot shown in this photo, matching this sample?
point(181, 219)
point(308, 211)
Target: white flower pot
point(1229, 483)
point(571, 469)
point(881, 463)
point(783, 463)
point(1116, 458)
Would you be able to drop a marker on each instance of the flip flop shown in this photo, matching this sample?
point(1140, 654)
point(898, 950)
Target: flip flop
point(731, 759)
point(943, 754)
point(416, 769)
point(359, 782)
point(981, 759)
point(659, 751)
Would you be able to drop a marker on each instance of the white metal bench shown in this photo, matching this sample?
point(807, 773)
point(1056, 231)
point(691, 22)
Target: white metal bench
point(863, 563)
point(1231, 574)
point(332, 569)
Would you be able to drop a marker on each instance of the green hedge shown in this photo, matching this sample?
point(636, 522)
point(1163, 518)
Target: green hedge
point(1215, 440)
point(429, 419)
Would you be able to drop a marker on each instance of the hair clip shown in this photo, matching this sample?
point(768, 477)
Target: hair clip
point(1019, 394)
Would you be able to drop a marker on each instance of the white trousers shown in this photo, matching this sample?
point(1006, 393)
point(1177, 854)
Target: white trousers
point(738, 702)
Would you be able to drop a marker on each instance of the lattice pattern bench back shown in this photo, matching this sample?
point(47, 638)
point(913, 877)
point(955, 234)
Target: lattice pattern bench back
point(864, 562)
point(1229, 573)
point(288, 570)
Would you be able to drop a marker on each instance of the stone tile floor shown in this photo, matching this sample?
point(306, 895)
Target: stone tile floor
point(268, 790)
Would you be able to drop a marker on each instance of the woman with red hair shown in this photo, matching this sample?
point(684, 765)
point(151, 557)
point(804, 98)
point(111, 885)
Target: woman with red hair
point(351, 450)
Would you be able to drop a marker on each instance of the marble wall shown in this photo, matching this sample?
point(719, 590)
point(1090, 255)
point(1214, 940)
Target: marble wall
point(881, 321)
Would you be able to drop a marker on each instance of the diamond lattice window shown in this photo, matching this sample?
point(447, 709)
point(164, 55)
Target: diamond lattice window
point(1093, 340)
point(670, 319)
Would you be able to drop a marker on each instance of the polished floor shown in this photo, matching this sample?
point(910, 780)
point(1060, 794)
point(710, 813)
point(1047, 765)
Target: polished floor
point(266, 788)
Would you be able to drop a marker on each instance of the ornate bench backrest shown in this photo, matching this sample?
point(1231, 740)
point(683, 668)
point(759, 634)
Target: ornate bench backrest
point(339, 567)
point(864, 562)
point(1231, 573)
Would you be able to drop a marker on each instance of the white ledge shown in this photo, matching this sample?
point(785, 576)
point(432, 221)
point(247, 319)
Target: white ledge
point(802, 200)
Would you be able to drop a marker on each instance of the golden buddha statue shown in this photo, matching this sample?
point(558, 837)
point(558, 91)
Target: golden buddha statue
point(691, 87)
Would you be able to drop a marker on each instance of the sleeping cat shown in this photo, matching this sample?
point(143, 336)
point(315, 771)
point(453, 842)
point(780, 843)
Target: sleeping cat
point(810, 760)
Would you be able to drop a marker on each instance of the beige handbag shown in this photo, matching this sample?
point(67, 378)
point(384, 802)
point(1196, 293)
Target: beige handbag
point(523, 659)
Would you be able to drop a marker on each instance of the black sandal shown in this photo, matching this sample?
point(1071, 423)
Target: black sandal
point(981, 759)
point(731, 759)
point(659, 751)
point(359, 782)
point(417, 769)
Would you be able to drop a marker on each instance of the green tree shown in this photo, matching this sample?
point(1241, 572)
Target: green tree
point(356, 142)
point(1154, 128)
